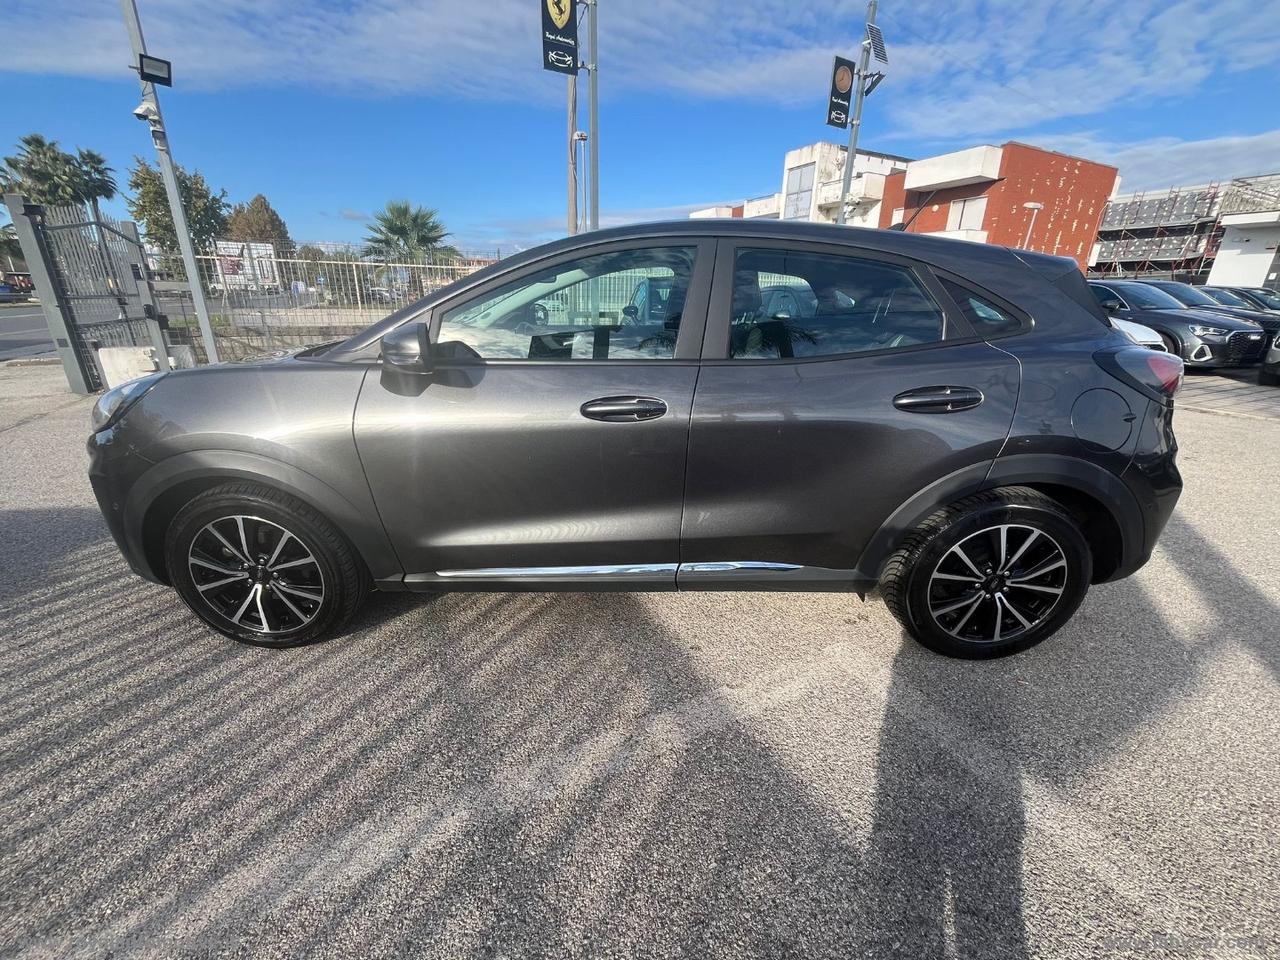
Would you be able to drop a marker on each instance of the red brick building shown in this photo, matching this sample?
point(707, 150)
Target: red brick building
point(981, 194)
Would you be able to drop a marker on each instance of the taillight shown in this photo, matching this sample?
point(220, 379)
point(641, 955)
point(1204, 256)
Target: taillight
point(1154, 372)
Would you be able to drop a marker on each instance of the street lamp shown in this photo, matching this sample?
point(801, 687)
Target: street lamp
point(1035, 208)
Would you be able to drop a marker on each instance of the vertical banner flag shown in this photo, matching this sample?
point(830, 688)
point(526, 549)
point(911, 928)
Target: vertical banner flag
point(560, 36)
point(842, 75)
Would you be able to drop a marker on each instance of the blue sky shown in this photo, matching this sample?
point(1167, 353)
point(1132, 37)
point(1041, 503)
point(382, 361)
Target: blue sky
point(333, 107)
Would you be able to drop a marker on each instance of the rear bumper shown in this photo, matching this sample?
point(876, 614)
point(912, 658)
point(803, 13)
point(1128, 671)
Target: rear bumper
point(1153, 478)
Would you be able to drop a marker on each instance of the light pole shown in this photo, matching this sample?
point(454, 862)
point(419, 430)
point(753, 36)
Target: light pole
point(859, 81)
point(593, 114)
point(149, 110)
point(1035, 207)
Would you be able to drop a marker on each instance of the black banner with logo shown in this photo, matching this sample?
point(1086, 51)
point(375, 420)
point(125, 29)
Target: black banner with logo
point(560, 36)
point(838, 106)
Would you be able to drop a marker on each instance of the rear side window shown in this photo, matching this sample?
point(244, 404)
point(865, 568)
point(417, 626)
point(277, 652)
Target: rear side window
point(791, 304)
point(985, 317)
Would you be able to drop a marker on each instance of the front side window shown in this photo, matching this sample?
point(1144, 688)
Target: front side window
point(624, 305)
point(789, 304)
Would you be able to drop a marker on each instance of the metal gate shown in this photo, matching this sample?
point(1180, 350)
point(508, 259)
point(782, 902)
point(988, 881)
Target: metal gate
point(91, 278)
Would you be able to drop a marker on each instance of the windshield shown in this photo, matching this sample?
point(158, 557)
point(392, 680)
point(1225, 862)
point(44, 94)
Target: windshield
point(1227, 298)
point(1186, 294)
point(1149, 298)
point(1269, 297)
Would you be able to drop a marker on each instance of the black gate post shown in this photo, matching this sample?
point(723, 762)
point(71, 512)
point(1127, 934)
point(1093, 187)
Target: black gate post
point(44, 275)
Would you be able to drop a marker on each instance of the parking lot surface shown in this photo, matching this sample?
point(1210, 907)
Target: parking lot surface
point(737, 775)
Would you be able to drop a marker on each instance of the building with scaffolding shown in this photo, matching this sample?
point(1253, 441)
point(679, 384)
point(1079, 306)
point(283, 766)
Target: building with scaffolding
point(1161, 233)
point(1209, 233)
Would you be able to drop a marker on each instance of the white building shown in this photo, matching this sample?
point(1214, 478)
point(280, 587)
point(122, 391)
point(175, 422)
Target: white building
point(811, 182)
point(1249, 252)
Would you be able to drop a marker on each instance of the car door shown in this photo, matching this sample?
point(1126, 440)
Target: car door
point(807, 434)
point(550, 444)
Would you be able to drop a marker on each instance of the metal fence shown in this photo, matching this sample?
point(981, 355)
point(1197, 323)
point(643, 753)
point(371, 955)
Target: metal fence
point(262, 298)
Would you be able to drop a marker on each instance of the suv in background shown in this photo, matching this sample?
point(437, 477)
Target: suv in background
point(1205, 339)
point(1199, 299)
point(954, 423)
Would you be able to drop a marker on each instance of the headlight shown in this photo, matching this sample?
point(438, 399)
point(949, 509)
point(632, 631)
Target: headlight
point(1206, 333)
point(112, 404)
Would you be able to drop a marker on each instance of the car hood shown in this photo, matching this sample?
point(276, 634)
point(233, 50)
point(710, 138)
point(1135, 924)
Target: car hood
point(1262, 317)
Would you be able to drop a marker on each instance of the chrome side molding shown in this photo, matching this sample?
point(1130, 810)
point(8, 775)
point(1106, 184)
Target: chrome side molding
point(618, 570)
point(734, 566)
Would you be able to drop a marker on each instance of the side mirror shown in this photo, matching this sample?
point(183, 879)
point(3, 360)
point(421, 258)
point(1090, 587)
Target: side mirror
point(1111, 306)
point(631, 312)
point(408, 348)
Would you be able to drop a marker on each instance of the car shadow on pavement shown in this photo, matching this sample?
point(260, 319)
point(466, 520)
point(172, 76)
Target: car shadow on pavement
point(525, 774)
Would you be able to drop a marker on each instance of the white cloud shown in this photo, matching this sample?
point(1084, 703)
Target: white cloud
point(1169, 162)
point(960, 68)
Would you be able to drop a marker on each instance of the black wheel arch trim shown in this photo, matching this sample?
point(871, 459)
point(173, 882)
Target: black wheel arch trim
point(1029, 469)
point(364, 531)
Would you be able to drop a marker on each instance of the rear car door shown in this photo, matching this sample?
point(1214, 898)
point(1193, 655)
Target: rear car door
point(808, 432)
point(550, 446)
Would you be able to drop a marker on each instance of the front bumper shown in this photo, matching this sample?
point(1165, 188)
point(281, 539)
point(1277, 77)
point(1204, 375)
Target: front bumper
point(1241, 348)
point(113, 467)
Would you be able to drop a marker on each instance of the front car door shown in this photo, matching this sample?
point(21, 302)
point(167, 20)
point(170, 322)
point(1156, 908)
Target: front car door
point(550, 446)
point(808, 432)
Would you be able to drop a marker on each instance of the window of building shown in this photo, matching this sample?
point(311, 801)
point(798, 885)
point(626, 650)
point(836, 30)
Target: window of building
point(985, 317)
point(967, 214)
point(832, 305)
point(612, 306)
point(899, 214)
point(798, 199)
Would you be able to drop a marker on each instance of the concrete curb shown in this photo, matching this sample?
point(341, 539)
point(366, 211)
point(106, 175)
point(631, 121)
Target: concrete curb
point(30, 362)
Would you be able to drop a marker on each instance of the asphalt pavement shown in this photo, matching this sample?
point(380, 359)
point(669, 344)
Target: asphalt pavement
point(697, 775)
point(23, 331)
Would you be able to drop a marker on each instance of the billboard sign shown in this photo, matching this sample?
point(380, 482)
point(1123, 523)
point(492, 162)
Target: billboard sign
point(560, 36)
point(842, 76)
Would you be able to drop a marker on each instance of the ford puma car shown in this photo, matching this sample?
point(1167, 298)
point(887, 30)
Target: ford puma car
point(687, 406)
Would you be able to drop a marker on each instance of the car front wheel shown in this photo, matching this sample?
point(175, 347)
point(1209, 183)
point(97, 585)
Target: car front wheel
point(992, 574)
point(262, 567)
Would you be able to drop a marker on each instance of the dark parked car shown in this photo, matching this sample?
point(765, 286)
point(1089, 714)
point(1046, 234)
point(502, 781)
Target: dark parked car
point(1269, 372)
point(1257, 298)
point(1198, 299)
point(1203, 338)
point(954, 422)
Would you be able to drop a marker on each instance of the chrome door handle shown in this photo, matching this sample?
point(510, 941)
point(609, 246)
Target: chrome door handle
point(938, 399)
point(623, 409)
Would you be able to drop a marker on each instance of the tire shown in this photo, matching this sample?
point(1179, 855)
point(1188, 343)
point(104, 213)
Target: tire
point(959, 615)
point(1171, 344)
point(1268, 379)
point(307, 558)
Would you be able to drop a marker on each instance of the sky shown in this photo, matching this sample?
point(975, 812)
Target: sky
point(333, 107)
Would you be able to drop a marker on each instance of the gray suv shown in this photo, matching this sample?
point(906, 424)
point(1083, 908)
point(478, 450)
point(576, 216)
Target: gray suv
point(952, 422)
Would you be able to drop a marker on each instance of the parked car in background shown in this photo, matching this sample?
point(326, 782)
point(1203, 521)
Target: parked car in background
point(954, 422)
point(1198, 299)
point(1143, 336)
point(1269, 373)
point(1259, 298)
point(1202, 338)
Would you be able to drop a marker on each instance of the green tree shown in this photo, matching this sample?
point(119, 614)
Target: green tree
point(257, 220)
point(47, 174)
point(149, 205)
point(10, 249)
point(404, 232)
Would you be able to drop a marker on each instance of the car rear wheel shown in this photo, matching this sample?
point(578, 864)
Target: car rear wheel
point(989, 575)
point(1268, 379)
point(262, 567)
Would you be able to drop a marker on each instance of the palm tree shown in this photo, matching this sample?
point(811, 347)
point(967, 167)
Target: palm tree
point(10, 249)
point(95, 179)
point(404, 232)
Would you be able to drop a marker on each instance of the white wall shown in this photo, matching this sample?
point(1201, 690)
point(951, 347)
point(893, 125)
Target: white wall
point(1247, 256)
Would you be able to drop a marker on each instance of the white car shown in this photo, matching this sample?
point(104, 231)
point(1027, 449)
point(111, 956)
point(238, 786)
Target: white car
point(1142, 336)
